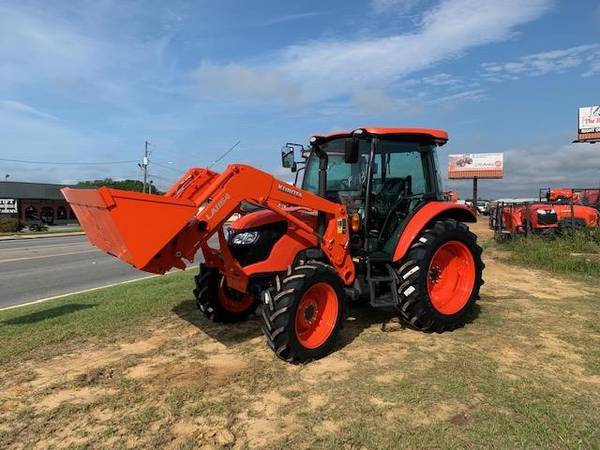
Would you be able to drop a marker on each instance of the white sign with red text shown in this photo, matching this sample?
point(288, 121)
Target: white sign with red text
point(589, 119)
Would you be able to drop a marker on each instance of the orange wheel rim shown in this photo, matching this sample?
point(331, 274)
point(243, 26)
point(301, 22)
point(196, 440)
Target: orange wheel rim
point(232, 304)
point(451, 277)
point(316, 315)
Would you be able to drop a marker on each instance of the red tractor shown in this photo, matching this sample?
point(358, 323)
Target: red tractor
point(541, 218)
point(368, 224)
point(585, 196)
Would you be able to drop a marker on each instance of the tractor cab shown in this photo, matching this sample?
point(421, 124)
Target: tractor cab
point(381, 175)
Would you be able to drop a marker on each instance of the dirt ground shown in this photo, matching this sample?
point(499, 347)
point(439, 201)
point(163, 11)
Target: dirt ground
point(523, 373)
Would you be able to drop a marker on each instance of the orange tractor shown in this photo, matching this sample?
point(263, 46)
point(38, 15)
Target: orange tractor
point(546, 219)
point(585, 196)
point(368, 224)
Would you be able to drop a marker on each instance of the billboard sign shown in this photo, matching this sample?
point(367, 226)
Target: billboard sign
point(589, 123)
point(476, 165)
point(8, 206)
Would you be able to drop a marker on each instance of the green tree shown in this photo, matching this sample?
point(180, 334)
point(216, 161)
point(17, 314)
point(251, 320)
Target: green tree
point(126, 185)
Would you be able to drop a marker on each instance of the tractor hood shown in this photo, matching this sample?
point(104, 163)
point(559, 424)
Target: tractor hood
point(266, 216)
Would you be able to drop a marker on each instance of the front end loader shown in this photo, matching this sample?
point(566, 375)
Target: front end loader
point(369, 223)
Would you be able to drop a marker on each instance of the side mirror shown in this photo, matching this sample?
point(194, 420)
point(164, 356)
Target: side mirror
point(351, 151)
point(287, 158)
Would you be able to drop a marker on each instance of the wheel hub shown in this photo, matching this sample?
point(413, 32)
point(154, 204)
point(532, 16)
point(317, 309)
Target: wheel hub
point(310, 312)
point(435, 274)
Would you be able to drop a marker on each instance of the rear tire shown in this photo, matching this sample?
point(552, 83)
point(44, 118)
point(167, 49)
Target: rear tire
point(217, 302)
point(303, 315)
point(440, 277)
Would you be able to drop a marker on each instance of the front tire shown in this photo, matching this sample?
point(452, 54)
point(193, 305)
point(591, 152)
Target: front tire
point(302, 317)
point(219, 303)
point(440, 278)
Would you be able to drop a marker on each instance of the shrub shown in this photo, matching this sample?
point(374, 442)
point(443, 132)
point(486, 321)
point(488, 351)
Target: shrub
point(9, 225)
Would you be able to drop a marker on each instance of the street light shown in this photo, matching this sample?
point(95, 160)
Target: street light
point(6, 177)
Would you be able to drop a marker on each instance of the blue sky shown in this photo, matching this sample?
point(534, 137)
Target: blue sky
point(87, 81)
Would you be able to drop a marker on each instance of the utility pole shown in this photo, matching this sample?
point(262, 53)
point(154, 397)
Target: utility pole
point(144, 165)
point(475, 193)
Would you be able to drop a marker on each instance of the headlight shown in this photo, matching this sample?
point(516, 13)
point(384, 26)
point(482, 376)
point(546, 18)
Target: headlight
point(245, 238)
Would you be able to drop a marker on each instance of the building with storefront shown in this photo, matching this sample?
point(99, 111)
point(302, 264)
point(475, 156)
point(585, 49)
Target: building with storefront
point(35, 203)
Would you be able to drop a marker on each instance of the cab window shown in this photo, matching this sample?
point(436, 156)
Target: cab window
point(400, 168)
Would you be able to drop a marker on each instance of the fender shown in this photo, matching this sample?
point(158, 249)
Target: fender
point(431, 211)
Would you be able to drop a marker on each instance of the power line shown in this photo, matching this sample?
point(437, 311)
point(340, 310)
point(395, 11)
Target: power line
point(164, 166)
point(160, 177)
point(224, 154)
point(57, 163)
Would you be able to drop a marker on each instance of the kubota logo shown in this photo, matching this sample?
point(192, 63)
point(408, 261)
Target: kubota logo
point(217, 206)
point(290, 191)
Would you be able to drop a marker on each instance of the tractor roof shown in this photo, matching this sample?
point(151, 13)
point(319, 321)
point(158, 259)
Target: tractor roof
point(440, 136)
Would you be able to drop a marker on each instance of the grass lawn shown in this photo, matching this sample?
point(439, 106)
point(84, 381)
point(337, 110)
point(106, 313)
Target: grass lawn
point(574, 255)
point(137, 366)
point(99, 314)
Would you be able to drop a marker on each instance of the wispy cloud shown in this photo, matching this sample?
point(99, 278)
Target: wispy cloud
point(34, 47)
point(243, 82)
point(292, 18)
point(394, 6)
point(471, 94)
point(22, 108)
point(583, 57)
point(70, 52)
point(442, 79)
point(321, 70)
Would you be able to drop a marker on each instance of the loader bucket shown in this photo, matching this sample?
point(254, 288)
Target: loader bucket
point(132, 226)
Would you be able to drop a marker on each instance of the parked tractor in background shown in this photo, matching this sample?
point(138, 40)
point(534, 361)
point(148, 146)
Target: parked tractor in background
point(546, 219)
point(368, 224)
point(583, 196)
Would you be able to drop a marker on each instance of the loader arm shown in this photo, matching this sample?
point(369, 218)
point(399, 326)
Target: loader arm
point(194, 209)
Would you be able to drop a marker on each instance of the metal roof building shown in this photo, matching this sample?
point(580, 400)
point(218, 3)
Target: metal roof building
point(35, 202)
point(25, 190)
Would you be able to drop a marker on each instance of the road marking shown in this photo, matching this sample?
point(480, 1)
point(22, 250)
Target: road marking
point(26, 258)
point(170, 272)
point(84, 291)
point(38, 248)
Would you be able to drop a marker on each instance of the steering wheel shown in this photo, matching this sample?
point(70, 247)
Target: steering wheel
point(390, 214)
point(346, 184)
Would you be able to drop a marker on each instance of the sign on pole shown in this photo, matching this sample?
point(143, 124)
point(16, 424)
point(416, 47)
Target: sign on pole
point(476, 165)
point(8, 206)
point(589, 124)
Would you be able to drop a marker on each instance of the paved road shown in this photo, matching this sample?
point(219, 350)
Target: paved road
point(33, 269)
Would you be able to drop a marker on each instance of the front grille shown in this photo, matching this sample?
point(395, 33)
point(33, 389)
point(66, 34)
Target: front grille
point(260, 251)
point(550, 218)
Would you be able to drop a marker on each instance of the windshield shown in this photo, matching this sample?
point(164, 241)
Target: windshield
point(398, 166)
point(340, 175)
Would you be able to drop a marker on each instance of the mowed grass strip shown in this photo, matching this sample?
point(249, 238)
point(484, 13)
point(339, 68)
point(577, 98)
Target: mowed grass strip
point(575, 255)
point(103, 313)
